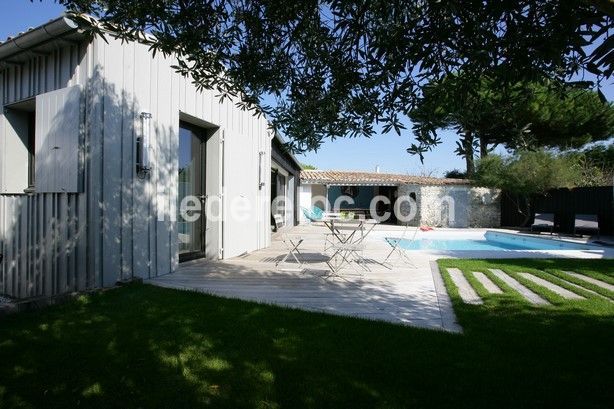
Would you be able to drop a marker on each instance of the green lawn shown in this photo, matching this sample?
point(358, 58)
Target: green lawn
point(143, 346)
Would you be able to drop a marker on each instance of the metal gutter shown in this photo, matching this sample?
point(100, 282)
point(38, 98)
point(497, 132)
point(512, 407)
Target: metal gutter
point(33, 38)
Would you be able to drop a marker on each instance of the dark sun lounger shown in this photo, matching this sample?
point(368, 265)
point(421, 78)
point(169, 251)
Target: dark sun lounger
point(587, 223)
point(543, 221)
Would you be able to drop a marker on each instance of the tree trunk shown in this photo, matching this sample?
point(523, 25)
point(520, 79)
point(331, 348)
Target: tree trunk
point(527, 212)
point(468, 148)
point(483, 147)
point(523, 207)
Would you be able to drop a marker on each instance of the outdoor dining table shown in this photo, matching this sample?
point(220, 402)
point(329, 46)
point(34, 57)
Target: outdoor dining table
point(348, 244)
point(364, 226)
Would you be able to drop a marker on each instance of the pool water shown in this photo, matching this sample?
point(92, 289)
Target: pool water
point(493, 241)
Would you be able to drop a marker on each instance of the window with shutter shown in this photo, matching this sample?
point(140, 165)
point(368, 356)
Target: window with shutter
point(14, 149)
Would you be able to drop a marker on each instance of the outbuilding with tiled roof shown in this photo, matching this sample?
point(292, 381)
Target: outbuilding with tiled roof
point(441, 202)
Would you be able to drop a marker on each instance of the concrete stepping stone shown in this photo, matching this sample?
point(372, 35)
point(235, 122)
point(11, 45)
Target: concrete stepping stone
point(563, 292)
point(466, 292)
point(582, 288)
point(487, 283)
point(527, 294)
point(591, 280)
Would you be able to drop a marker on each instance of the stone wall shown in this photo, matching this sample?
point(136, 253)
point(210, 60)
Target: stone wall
point(452, 206)
point(405, 207)
point(485, 206)
point(444, 206)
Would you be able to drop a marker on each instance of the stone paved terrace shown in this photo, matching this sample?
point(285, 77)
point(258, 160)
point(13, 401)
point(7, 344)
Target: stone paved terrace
point(404, 294)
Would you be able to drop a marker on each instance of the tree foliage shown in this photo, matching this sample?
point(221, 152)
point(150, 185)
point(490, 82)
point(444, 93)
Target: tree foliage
point(597, 164)
point(530, 173)
point(479, 112)
point(455, 174)
point(519, 116)
point(337, 68)
point(601, 156)
point(565, 118)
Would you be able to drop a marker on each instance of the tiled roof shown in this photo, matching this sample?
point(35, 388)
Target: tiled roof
point(372, 178)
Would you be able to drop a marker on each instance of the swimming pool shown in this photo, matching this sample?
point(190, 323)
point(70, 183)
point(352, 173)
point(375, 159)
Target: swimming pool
point(491, 241)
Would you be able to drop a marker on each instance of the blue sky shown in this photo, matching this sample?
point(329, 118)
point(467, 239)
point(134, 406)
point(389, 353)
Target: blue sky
point(386, 151)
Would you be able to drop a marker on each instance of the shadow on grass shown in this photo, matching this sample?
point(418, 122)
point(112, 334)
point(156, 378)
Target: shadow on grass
point(143, 346)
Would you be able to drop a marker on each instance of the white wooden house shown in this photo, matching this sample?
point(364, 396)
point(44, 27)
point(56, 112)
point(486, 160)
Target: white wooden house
point(99, 142)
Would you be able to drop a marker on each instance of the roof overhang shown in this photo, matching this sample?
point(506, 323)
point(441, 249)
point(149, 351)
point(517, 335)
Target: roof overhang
point(279, 139)
point(40, 41)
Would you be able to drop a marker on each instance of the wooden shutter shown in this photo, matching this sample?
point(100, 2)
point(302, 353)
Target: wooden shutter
point(214, 190)
point(14, 151)
point(58, 141)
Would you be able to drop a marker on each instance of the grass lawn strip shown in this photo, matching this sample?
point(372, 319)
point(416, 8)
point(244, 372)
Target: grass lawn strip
point(582, 283)
point(465, 290)
point(577, 288)
point(487, 283)
point(585, 292)
point(507, 290)
point(563, 292)
point(550, 270)
point(522, 288)
point(546, 294)
point(591, 280)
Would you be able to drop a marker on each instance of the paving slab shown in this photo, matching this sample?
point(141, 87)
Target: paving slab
point(527, 294)
point(465, 290)
point(582, 288)
point(563, 292)
point(487, 283)
point(448, 318)
point(591, 280)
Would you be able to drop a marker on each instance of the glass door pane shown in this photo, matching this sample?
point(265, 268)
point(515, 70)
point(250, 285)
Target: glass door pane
point(191, 186)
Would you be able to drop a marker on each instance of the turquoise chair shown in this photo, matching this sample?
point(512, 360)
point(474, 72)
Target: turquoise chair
point(315, 214)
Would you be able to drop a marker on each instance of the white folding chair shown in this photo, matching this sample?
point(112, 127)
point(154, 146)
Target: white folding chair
point(292, 245)
point(398, 250)
point(346, 254)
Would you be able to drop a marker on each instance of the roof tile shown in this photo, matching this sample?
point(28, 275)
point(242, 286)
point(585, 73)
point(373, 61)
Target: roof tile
point(350, 177)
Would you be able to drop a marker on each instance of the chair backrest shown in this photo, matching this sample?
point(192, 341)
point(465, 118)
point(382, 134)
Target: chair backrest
point(308, 214)
point(586, 221)
point(403, 235)
point(279, 221)
point(544, 219)
point(317, 212)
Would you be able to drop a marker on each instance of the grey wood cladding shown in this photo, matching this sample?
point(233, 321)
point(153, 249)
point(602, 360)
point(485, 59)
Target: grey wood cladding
point(92, 220)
